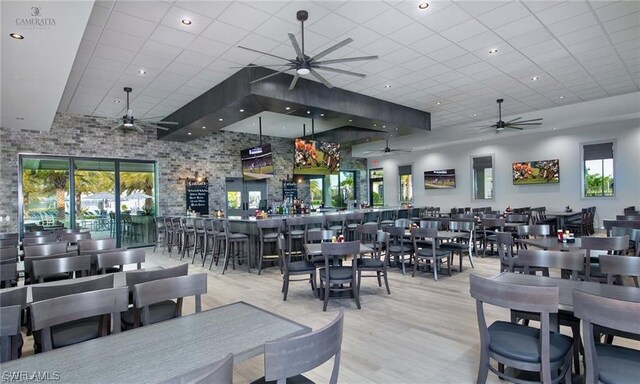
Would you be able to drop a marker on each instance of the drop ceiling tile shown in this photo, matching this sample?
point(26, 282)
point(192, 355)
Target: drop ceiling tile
point(518, 27)
point(419, 63)
point(243, 16)
point(504, 58)
point(411, 33)
point(537, 6)
point(107, 64)
point(113, 53)
point(362, 12)
point(528, 39)
point(616, 9)
point(130, 25)
point(189, 91)
point(447, 53)
point(589, 45)
point(476, 8)
point(147, 10)
point(541, 48)
point(572, 24)
point(562, 11)
point(182, 69)
point(470, 70)
point(445, 18)
point(461, 61)
point(278, 29)
point(437, 69)
point(92, 33)
point(464, 31)
point(260, 43)
point(505, 14)
point(194, 58)
point(551, 56)
point(388, 22)
point(481, 40)
point(317, 10)
point(172, 36)
point(173, 19)
point(430, 44)
point(243, 57)
point(208, 47)
point(333, 26)
point(208, 8)
point(382, 47)
point(625, 35)
point(99, 16)
point(121, 40)
point(223, 32)
point(223, 66)
point(582, 35)
point(622, 23)
point(402, 56)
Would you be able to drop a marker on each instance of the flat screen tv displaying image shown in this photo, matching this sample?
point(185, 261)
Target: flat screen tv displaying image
point(440, 179)
point(316, 157)
point(257, 163)
point(536, 172)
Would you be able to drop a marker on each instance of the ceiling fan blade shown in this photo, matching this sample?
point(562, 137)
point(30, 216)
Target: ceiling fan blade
point(296, 47)
point(486, 129)
point(331, 49)
point(530, 120)
point(264, 53)
point(322, 79)
point(117, 126)
point(346, 59)
point(158, 122)
point(159, 127)
point(294, 81)
point(516, 124)
point(137, 127)
point(336, 70)
point(516, 119)
point(513, 127)
point(400, 150)
point(258, 66)
point(268, 76)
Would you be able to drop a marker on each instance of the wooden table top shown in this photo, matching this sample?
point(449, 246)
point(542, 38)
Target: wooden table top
point(552, 244)
point(567, 286)
point(162, 350)
point(315, 249)
point(565, 214)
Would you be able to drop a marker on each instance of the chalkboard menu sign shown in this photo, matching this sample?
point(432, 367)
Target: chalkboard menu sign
point(289, 190)
point(198, 195)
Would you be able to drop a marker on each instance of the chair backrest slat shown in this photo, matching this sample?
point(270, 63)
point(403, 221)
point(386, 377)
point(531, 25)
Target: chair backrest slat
point(617, 314)
point(531, 258)
point(47, 267)
point(39, 240)
point(121, 258)
point(151, 292)
point(16, 296)
point(10, 321)
point(514, 296)
point(45, 249)
point(47, 291)
point(620, 265)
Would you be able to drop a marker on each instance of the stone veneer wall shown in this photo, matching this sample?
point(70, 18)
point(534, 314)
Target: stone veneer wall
point(216, 156)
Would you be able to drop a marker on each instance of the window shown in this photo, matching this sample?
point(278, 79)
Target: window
point(316, 187)
point(406, 183)
point(376, 187)
point(482, 176)
point(598, 170)
point(342, 188)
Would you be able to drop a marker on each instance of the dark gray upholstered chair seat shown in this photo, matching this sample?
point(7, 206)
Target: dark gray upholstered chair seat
point(520, 342)
point(273, 236)
point(369, 263)
point(400, 248)
point(296, 232)
point(454, 246)
point(238, 236)
point(162, 311)
point(428, 252)
point(300, 266)
point(299, 379)
point(71, 333)
point(618, 364)
point(338, 273)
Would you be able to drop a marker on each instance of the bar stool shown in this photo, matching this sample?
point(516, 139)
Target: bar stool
point(161, 233)
point(336, 222)
point(188, 235)
point(313, 224)
point(209, 239)
point(199, 240)
point(219, 241)
point(235, 242)
point(295, 230)
point(387, 218)
point(352, 221)
point(372, 218)
point(269, 232)
point(176, 235)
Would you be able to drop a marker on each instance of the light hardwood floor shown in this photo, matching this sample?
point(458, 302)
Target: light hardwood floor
point(424, 332)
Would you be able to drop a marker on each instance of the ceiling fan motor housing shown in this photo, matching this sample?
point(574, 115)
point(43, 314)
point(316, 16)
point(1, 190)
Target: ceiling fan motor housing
point(302, 15)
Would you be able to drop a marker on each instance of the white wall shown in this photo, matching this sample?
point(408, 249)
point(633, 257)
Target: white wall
point(563, 144)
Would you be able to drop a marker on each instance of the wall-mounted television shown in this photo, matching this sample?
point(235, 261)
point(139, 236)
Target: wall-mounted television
point(257, 163)
point(536, 172)
point(440, 179)
point(316, 157)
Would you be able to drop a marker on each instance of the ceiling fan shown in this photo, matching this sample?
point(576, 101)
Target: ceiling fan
point(128, 121)
point(516, 123)
point(304, 64)
point(386, 150)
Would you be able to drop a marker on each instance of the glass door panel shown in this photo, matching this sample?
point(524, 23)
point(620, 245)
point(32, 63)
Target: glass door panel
point(233, 187)
point(376, 187)
point(94, 196)
point(137, 203)
point(45, 193)
point(316, 186)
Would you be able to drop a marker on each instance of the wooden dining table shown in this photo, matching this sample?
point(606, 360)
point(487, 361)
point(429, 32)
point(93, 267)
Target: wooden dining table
point(315, 249)
point(552, 244)
point(160, 351)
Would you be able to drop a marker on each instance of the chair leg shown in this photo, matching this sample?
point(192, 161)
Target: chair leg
point(225, 263)
point(260, 256)
point(386, 282)
point(435, 269)
point(483, 368)
point(354, 288)
point(415, 266)
point(325, 291)
point(312, 280)
point(285, 287)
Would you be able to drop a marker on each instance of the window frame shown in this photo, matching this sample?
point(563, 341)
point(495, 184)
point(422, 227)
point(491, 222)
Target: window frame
point(583, 169)
point(400, 166)
point(493, 177)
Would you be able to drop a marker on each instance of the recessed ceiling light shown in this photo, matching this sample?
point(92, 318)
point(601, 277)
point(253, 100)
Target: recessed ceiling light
point(554, 128)
point(221, 119)
point(186, 21)
point(475, 115)
point(116, 101)
point(283, 127)
point(493, 51)
point(16, 36)
point(534, 78)
point(308, 112)
point(367, 139)
point(253, 123)
point(396, 128)
point(423, 5)
point(242, 110)
point(189, 133)
point(375, 125)
point(287, 108)
point(322, 115)
point(384, 126)
point(391, 135)
point(387, 86)
point(203, 127)
point(142, 72)
point(561, 97)
point(438, 103)
point(19, 118)
point(350, 120)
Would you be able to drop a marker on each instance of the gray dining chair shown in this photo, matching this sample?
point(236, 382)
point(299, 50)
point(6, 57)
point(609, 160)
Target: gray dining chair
point(464, 243)
point(8, 298)
point(286, 360)
point(304, 268)
point(173, 288)
point(159, 311)
point(118, 259)
point(399, 247)
point(46, 314)
point(607, 363)
point(333, 277)
point(515, 345)
point(218, 372)
point(426, 247)
point(10, 323)
point(30, 277)
point(378, 261)
point(78, 265)
point(268, 233)
point(9, 275)
point(595, 245)
point(9, 255)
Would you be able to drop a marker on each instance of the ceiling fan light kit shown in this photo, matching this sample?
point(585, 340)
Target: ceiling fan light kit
point(128, 121)
point(303, 64)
